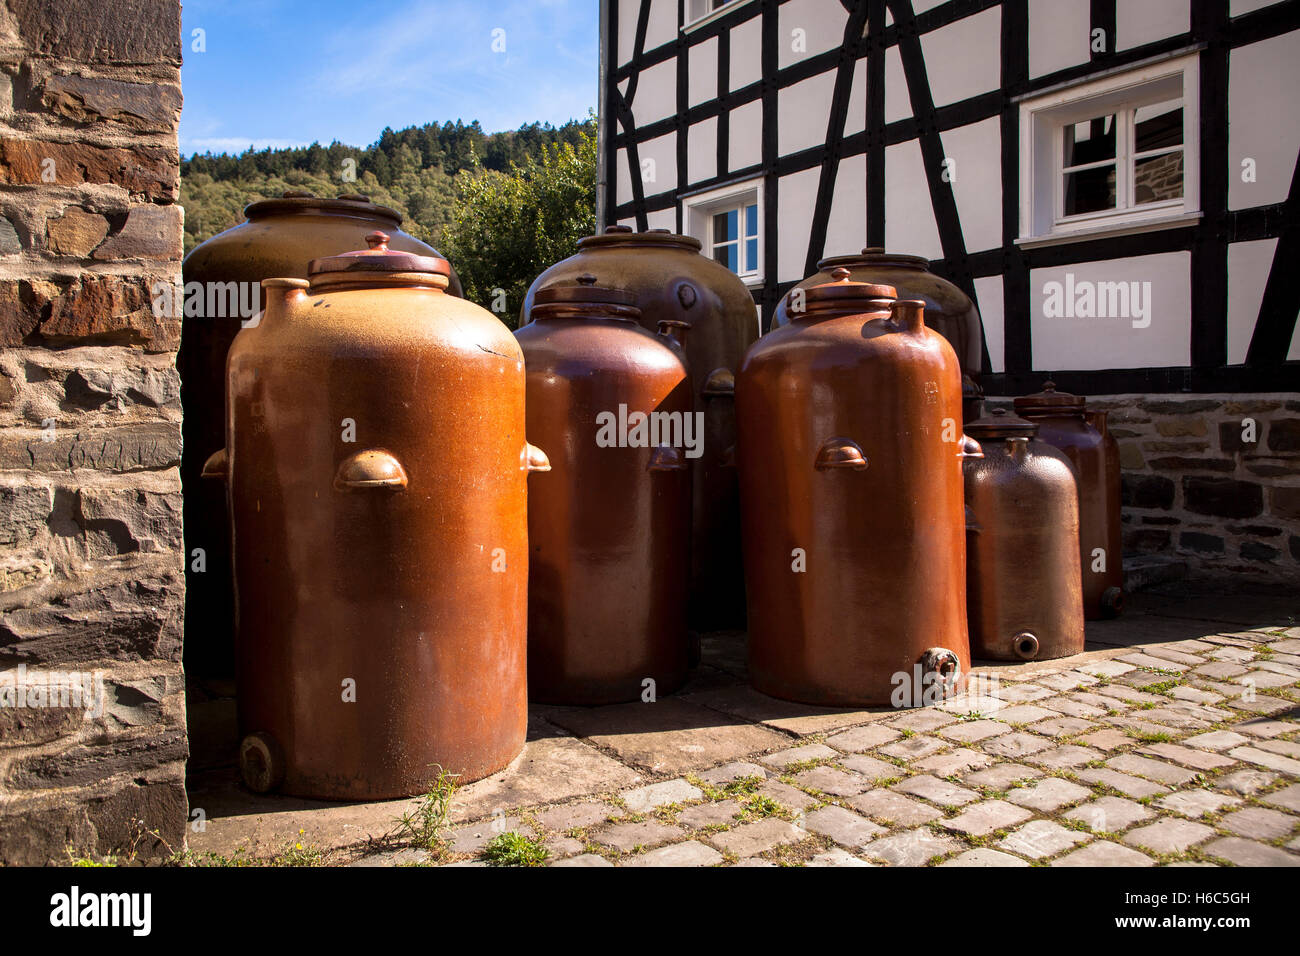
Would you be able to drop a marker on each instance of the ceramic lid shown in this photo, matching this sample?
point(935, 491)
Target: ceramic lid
point(843, 293)
point(293, 201)
point(1050, 400)
point(874, 256)
point(1000, 424)
point(586, 292)
point(622, 235)
point(379, 260)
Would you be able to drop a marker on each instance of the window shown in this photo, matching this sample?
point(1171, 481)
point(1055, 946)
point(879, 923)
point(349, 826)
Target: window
point(728, 222)
point(1115, 154)
point(700, 12)
point(735, 238)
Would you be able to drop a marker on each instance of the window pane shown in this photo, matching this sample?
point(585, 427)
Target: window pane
point(751, 255)
point(1158, 125)
point(1090, 141)
point(726, 226)
point(1158, 178)
point(726, 254)
point(751, 219)
point(1091, 190)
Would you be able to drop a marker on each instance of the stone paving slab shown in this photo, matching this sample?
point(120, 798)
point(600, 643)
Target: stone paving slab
point(1145, 750)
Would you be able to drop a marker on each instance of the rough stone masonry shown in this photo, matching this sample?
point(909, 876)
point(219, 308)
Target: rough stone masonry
point(90, 497)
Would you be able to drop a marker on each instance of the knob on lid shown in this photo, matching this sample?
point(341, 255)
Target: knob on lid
point(378, 259)
point(585, 292)
point(999, 424)
point(1049, 400)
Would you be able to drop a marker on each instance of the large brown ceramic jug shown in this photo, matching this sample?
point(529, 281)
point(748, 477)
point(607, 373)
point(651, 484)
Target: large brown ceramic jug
point(1023, 589)
point(279, 238)
point(375, 466)
point(849, 454)
point(609, 525)
point(948, 310)
point(671, 280)
point(1063, 423)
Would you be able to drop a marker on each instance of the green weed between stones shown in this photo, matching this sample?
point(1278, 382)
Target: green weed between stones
point(426, 825)
point(514, 849)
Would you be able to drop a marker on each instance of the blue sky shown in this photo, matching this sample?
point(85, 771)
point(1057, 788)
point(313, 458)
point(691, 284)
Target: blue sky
point(289, 72)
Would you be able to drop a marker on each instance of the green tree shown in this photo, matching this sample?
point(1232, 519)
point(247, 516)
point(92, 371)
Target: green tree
point(507, 227)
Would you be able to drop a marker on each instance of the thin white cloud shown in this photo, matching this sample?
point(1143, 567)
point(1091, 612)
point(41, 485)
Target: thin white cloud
point(234, 144)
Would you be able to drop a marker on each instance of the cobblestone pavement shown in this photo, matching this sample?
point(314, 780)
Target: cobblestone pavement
point(1174, 740)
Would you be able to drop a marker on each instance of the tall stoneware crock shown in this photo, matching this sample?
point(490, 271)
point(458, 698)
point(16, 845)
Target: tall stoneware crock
point(1063, 422)
point(948, 310)
point(671, 280)
point(375, 466)
point(849, 455)
point(1024, 594)
point(609, 524)
point(279, 237)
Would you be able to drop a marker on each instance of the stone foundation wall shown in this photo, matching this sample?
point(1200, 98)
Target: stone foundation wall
point(91, 555)
point(1211, 479)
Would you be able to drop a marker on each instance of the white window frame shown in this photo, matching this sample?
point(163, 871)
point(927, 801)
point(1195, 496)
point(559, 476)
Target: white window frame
point(696, 16)
point(1044, 116)
point(699, 209)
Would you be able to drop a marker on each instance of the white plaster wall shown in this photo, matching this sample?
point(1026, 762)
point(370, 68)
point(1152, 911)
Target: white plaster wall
point(1058, 35)
point(622, 179)
point(662, 219)
point(963, 59)
point(661, 175)
point(909, 215)
point(976, 152)
point(846, 228)
point(1146, 21)
point(702, 151)
point(702, 72)
point(1248, 266)
point(1102, 343)
point(822, 23)
point(796, 195)
point(855, 121)
point(746, 53)
point(1263, 119)
point(1237, 7)
point(628, 10)
point(803, 111)
point(745, 136)
point(898, 105)
point(988, 296)
point(662, 25)
point(656, 93)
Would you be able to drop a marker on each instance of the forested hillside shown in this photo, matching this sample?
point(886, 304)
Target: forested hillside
point(420, 171)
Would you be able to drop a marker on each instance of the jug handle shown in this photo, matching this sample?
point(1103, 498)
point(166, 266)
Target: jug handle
point(970, 448)
point(721, 383)
point(217, 465)
point(667, 458)
point(533, 459)
point(372, 468)
point(840, 453)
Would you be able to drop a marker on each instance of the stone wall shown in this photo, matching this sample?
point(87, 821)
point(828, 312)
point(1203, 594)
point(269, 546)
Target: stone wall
point(91, 555)
point(1211, 479)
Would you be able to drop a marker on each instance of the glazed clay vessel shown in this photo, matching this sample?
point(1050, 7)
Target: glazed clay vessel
point(671, 280)
point(279, 238)
point(849, 454)
point(948, 310)
point(609, 524)
point(1024, 595)
point(1063, 422)
point(375, 466)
